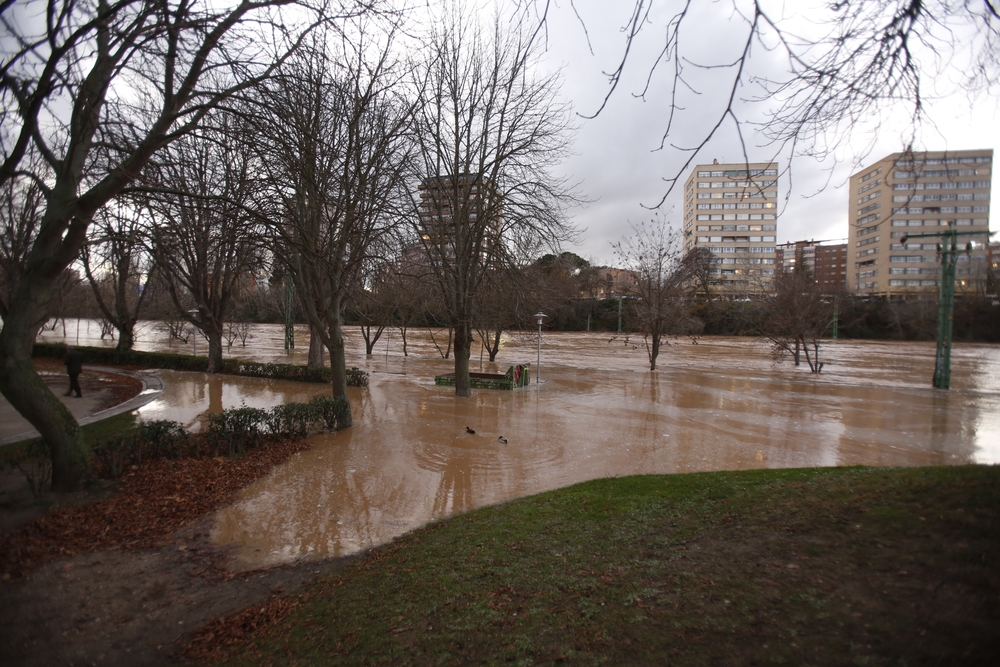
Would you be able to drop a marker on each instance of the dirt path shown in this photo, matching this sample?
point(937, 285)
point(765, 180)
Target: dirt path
point(129, 608)
point(155, 578)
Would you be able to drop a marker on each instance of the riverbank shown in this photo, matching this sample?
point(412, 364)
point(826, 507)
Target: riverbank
point(823, 566)
point(117, 573)
point(817, 566)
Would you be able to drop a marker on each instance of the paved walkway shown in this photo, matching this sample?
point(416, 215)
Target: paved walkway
point(14, 427)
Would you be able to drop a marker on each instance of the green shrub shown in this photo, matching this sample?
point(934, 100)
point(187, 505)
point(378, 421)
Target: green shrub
point(145, 441)
point(232, 432)
point(295, 419)
point(334, 411)
point(357, 377)
point(33, 459)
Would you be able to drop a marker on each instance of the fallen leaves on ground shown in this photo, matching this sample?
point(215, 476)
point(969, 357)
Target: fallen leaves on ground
point(212, 640)
point(154, 500)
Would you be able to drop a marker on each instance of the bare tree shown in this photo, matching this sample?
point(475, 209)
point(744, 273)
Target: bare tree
point(406, 299)
point(93, 90)
point(370, 301)
point(658, 304)
point(21, 207)
point(505, 304)
point(335, 133)
point(118, 254)
point(817, 81)
point(489, 127)
point(698, 264)
point(796, 316)
point(205, 242)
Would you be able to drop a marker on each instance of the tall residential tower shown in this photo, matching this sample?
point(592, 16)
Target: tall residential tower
point(731, 210)
point(910, 193)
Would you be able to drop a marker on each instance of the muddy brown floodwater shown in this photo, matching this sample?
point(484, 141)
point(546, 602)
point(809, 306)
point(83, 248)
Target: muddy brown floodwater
point(719, 404)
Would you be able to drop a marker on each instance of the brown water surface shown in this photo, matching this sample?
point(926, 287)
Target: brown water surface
point(720, 404)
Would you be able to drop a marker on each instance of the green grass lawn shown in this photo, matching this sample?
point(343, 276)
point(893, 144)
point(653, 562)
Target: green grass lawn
point(830, 566)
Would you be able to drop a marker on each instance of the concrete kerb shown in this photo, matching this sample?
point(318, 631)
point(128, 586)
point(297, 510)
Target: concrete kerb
point(152, 386)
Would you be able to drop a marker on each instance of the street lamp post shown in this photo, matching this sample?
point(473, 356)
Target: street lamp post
point(538, 365)
point(194, 334)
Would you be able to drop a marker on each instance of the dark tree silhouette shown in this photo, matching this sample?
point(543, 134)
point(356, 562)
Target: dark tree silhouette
point(89, 92)
point(489, 128)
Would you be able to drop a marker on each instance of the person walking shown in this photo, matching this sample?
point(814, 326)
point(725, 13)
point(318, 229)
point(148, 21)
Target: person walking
point(74, 366)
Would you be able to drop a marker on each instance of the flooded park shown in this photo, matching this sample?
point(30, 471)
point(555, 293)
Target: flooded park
point(712, 404)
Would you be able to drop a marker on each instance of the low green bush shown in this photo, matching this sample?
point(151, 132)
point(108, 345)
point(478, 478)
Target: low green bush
point(334, 411)
point(295, 419)
point(145, 441)
point(232, 432)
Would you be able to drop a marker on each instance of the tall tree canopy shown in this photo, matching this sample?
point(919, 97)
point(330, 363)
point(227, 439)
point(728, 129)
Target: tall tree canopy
point(89, 91)
point(489, 127)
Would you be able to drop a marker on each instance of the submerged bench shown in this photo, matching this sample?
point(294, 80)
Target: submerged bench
point(516, 376)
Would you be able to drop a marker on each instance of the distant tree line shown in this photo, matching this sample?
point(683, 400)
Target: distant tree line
point(565, 291)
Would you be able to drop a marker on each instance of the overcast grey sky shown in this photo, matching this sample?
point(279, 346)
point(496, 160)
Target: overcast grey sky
point(616, 160)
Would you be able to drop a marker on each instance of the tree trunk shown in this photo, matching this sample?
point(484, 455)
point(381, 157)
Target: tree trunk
point(126, 335)
point(494, 345)
point(20, 384)
point(315, 349)
point(654, 352)
point(447, 352)
point(338, 359)
point(463, 349)
point(814, 365)
point(371, 339)
point(402, 333)
point(214, 350)
point(798, 352)
point(124, 319)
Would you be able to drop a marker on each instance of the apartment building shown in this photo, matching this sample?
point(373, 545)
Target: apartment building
point(460, 215)
point(731, 210)
point(910, 193)
point(826, 260)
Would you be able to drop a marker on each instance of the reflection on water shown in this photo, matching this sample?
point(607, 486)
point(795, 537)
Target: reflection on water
point(721, 404)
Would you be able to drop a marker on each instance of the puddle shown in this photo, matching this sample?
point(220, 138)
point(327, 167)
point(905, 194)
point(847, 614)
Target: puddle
point(721, 404)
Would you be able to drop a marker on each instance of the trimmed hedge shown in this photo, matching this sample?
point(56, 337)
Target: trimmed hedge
point(230, 433)
point(187, 362)
point(146, 440)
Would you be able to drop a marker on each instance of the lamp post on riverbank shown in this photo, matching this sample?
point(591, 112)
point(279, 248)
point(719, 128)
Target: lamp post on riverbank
point(538, 365)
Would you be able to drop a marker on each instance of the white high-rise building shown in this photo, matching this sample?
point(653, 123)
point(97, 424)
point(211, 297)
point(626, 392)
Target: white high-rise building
point(731, 210)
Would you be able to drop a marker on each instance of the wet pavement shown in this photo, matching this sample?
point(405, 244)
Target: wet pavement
point(720, 404)
point(97, 383)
